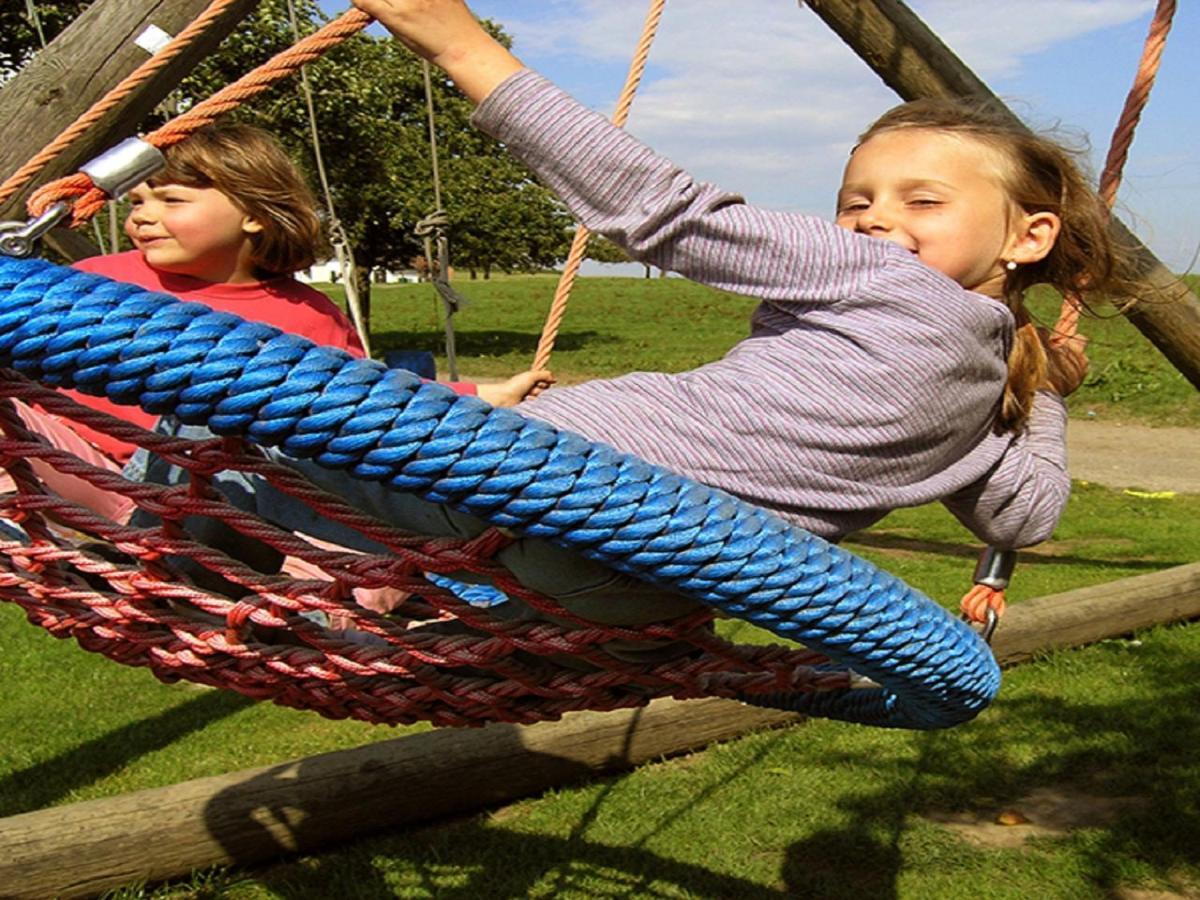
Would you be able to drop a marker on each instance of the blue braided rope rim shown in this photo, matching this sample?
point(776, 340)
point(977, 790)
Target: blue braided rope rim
point(70, 329)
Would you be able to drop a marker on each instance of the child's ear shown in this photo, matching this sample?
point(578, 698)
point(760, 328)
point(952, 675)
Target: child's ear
point(1034, 237)
point(251, 225)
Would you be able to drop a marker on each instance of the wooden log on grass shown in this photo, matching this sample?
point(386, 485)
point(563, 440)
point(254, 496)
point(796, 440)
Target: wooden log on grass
point(914, 62)
point(310, 804)
point(1086, 615)
point(305, 805)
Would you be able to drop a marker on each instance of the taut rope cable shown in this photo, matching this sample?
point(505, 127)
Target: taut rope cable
point(432, 232)
point(558, 306)
point(337, 231)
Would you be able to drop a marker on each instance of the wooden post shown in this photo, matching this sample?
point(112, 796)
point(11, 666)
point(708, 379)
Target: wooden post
point(85, 61)
point(914, 62)
point(300, 806)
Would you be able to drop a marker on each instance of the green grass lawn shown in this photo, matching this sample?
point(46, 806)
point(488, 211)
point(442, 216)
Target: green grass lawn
point(823, 810)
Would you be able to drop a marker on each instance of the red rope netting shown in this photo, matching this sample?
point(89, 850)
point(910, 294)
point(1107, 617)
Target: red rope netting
point(298, 636)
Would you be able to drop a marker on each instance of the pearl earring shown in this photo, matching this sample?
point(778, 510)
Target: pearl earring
point(1011, 266)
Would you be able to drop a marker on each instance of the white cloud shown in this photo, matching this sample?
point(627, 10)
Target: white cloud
point(994, 37)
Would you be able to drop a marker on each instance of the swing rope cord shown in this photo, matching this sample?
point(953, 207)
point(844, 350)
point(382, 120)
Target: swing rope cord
point(1122, 138)
point(982, 596)
point(337, 231)
point(566, 282)
point(432, 232)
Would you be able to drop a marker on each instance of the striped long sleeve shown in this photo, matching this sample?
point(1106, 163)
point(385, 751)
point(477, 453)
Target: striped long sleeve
point(868, 381)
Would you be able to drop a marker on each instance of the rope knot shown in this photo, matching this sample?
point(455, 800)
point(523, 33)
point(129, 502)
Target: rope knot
point(434, 223)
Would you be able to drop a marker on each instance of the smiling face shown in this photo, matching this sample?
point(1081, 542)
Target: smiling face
point(940, 196)
point(192, 231)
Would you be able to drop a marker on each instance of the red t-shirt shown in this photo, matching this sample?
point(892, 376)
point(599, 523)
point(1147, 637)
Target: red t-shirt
point(282, 302)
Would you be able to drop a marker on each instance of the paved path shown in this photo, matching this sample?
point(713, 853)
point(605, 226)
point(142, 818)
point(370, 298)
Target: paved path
point(1134, 456)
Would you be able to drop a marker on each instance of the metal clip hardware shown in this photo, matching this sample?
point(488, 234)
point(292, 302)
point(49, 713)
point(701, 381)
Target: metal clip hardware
point(989, 627)
point(19, 239)
point(119, 169)
point(995, 567)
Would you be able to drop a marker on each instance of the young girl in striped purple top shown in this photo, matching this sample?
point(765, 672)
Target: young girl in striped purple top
point(891, 361)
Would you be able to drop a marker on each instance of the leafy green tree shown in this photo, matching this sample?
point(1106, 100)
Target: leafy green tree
point(372, 123)
point(21, 35)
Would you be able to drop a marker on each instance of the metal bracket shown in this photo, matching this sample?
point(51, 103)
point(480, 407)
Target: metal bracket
point(20, 239)
point(995, 568)
point(121, 168)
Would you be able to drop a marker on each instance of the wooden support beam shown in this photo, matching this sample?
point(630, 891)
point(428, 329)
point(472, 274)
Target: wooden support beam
point(258, 814)
point(1086, 615)
point(83, 63)
point(300, 806)
point(914, 62)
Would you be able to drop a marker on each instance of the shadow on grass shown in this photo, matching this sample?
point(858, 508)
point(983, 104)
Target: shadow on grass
point(1039, 738)
point(470, 343)
point(881, 540)
point(1104, 749)
point(464, 860)
point(47, 782)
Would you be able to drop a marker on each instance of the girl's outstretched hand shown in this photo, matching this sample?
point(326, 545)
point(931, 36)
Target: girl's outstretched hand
point(522, 386)
point(429, 28)
point(446, 33)
point(1066, 362)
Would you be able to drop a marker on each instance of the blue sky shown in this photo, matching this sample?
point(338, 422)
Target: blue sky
point(761, 97)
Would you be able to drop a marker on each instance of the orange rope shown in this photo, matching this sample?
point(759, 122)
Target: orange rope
point(89, 199)
point(1122, 139)
point(140, 75)
point(558, 306)
point(1139, 94)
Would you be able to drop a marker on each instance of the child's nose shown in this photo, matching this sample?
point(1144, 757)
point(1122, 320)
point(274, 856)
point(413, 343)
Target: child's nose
point(874, 218)
point(141, 213)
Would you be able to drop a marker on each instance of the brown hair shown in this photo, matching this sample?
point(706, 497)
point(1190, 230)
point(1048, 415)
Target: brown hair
point(1040, 175)
point(251, 168)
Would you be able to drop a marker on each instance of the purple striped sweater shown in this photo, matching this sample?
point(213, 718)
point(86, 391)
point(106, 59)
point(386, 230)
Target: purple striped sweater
point(868, 382)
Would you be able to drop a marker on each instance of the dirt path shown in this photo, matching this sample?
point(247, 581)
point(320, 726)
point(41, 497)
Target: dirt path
point(1134, 456)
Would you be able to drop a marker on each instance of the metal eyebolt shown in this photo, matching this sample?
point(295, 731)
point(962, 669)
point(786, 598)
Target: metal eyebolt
point(989, 627)
point(19, 239)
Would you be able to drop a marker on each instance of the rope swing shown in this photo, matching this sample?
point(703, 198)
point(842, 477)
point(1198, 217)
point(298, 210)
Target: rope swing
point(875, 651)
point(71, 329)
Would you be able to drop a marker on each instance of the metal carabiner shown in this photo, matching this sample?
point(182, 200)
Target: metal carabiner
point(19, 239)
point(988, 628)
